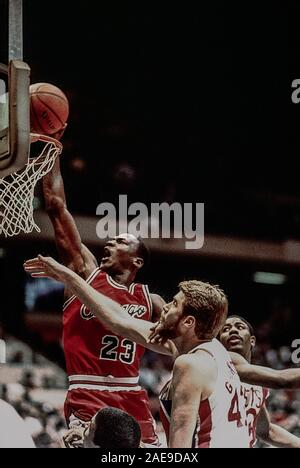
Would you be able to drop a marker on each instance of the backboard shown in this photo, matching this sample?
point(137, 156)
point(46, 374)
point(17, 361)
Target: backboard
point(14, 97)
point(4, 114)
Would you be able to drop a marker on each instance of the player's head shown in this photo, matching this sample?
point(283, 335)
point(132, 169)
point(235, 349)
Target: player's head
point(124, 252)
point(238, 335)
point(198, 309)
point(112, 428)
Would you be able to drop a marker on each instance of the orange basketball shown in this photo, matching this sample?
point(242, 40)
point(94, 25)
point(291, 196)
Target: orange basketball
point(49, 108)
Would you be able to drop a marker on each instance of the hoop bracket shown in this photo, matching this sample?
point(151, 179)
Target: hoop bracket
point(19, 119)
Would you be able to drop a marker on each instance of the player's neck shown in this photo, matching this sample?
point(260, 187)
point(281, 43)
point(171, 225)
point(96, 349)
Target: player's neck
point(186, 344)
point(246, 355)
point(126, 278)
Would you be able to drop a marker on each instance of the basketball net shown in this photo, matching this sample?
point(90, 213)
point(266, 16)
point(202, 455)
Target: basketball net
point(17, 189)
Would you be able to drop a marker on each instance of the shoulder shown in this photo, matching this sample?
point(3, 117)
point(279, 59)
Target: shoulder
point(5, 407)
point(237, 358)
point(196, 363)
point(196, 372)
point(157, 300)
point(8, 411)
point(157, 303)
point(89, 257)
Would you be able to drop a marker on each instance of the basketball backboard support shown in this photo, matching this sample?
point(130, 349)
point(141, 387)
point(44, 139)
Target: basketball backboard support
point(14, 98)
point(4, 116)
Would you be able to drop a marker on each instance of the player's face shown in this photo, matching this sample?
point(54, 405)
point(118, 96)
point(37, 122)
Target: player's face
point(120, 253)
point(235, 336)
point(171, 317)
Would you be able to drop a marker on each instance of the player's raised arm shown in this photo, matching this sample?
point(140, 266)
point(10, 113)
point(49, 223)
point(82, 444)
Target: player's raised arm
point(109, 312)
point(274, 435)
point(265, 376)
point(72, 252)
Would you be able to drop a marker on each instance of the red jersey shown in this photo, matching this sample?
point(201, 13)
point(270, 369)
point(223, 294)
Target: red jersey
point(93, 350)
point(255, 398)
point(103, 367)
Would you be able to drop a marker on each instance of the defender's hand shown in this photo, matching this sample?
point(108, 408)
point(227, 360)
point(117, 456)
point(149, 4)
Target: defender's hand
point(74, 437)
point(46, 267)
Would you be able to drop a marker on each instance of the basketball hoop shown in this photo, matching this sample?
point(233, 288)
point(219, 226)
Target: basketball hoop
point(17, 189)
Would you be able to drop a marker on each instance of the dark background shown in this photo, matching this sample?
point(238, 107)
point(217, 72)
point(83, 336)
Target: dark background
point(177, 103)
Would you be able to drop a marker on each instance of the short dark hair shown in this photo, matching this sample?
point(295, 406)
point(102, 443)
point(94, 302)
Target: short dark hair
point(143, 252)
point(251, 328)
point(116, 429)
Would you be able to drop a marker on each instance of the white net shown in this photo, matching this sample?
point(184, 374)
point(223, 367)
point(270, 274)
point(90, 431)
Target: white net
point(17, 189)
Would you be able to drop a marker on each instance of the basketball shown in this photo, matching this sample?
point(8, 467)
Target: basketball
point(49, 108)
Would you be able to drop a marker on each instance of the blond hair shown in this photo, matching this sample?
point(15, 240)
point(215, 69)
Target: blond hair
point(208, 304)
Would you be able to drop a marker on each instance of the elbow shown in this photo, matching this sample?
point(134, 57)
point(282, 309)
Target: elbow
point(266, 434)
point(266, 438)
point(55, 204)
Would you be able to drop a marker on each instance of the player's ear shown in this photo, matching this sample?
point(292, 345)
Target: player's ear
point(253, 341)
point(189, 321)
point(138, 262)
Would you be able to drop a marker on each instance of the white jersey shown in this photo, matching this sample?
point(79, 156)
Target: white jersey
point(13, 430)
point(222, 417)
point(255, 399)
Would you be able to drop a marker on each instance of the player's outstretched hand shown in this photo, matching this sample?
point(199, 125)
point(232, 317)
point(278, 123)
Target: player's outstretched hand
point(46, 267)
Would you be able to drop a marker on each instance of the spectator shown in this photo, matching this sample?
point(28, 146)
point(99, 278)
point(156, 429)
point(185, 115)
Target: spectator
point(13, 431)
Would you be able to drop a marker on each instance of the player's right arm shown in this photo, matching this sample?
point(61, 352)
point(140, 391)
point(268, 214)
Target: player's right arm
point(265, 376)
point(273, 434)
point(193, 381)
point(109, 312)
point(72, 252)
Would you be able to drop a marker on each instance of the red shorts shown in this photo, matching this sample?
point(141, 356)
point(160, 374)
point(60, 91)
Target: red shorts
point(84, 404)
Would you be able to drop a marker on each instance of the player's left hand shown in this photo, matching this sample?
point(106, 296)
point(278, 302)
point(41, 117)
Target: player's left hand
point(46, 267)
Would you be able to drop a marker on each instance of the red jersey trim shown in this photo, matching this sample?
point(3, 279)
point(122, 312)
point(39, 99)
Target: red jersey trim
point(131, 288)
point(104, 379)
point(114, 284)
point(102, 388)
point(99, 382)
point(205, 419)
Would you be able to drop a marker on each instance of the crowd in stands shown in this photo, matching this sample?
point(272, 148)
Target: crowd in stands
point(38, 393)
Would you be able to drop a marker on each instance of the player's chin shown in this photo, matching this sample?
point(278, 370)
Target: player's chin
point(235, 348)
point(108, 266)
